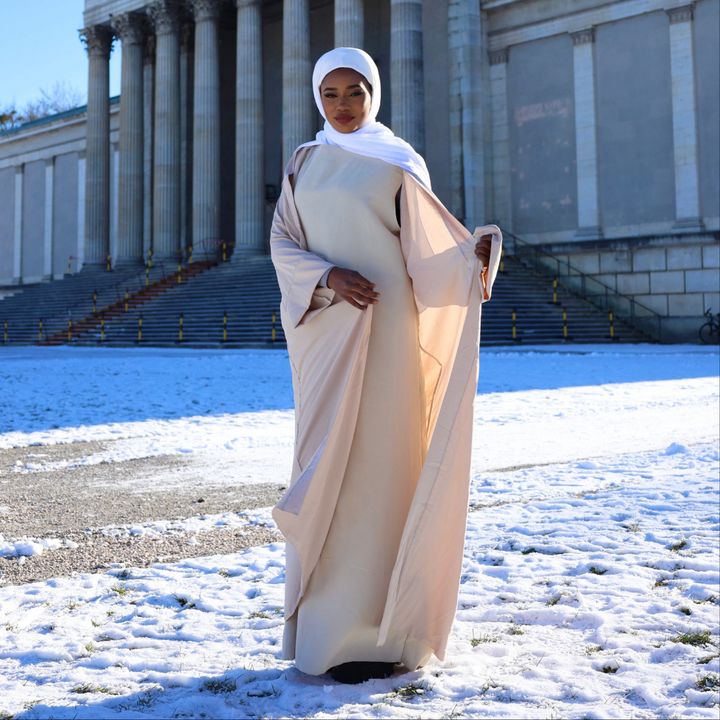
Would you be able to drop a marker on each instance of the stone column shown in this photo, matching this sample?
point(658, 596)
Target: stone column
point(298, 104)
point(149, 133)
point(349, 23)
point(48, 248)
point(187, 41)
point(98, 40)
point(80, 250)
point(114, 195)
point(406, 72)
point(17, 234)
point(166, 161)
point(500, 139)
point(249, 140)
point(466, 116)
point(206, 123)
point(684, 106)
point(589, 226)
point(130, 29)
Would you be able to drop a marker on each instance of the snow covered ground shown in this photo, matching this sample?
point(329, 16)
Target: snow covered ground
point(591, 575)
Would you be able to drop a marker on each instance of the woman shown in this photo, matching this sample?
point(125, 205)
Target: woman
point(381, 292)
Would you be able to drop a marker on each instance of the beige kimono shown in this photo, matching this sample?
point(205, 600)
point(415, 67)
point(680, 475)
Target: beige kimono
point(376, 509)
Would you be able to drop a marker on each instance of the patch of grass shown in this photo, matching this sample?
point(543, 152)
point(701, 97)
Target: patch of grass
point(489, 685)
point(222, 572)
point(515, 630)
point(634, 527)
point(123, 575)
point(554, 600)
point(121, 590)
point(72, 605)
point(110, 613)
point(90, 647)
point(527, 551)
point(411, 690)
point(590, 649)
point(611, 668)
point(87, 688)
point(596, 570)
point(264, 693)
point(712, 600)
point(261, 615)
point(695, 637)
point(711, 681)
point(30, 704)
point(662, 582)
point(4, 715)
point(679, 545)
point(95, 623)
point(183, 602)
point(11, 627)
point(475, 641)
point(685, 611)
point(222, 685)
point(705, 660)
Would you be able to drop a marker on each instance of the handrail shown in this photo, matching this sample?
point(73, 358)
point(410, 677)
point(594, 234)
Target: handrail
point(535, 251)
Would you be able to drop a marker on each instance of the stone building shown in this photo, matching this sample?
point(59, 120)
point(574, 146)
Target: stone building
point(587, 127)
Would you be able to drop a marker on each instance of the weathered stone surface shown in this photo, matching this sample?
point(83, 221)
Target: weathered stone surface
point(687, 305)
point(702, 280)
point(649, 259)
point(711, 256)
point(658, 303)
point(586, 262)
point(684, 257)
point(667, 282)
point(633, 284)
point(712, 302)
point(616, 261)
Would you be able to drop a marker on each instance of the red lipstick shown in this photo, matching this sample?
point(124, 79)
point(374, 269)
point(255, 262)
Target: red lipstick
point(344, 119)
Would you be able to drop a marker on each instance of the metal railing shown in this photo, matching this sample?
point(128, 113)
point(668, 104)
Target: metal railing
point(606, 298)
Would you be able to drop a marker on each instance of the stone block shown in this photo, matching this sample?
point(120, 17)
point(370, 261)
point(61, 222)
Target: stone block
point(616, 261)
point(588, 263)
point(711, 256)
point(685, 305)
point(633, 283)
point(667, 282)
point(649, 259)
point(684, 257)
point(657, 303)
point(702, 280)
point(712, 302)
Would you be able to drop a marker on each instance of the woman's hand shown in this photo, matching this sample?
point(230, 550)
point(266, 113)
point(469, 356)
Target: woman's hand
point(482, 249)
point(352, 287)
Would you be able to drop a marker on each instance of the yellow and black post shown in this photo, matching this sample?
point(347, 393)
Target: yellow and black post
point(40, 330)
point(224, 251)
point(565, 324)
point(502, 260)
point(69, 264)
point(147, 275)
point(225, 326)
point(191, 253)
point(149, 258)
point(140, 328)
point(514, 317)
point(126, 299)
point(108, 263)
point(273, 327)
point(179, 273)
point(612, 326)
point(181, 326)
point(555, 291)
point(95, 301)
point(102, 329)
point(69, 329)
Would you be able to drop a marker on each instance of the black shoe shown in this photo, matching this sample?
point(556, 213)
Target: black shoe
point(354, 673)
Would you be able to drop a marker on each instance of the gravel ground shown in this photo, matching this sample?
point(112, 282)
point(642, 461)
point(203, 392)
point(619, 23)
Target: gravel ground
point(74, 502)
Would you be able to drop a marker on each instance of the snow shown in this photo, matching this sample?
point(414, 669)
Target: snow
point(591, 574)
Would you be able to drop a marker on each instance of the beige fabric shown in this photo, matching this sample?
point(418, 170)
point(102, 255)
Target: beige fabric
point(330, 343)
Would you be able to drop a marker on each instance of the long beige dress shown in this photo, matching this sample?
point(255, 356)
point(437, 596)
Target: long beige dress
point(346, 205)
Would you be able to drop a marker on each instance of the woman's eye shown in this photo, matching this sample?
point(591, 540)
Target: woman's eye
point(330, 95)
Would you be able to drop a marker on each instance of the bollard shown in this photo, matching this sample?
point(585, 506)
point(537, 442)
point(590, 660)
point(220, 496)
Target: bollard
point(147, 276)
point(514, 315)
point(181, 324)
point(555, 291)
point(69, 264)
point(69, 329)
point(102, 329)
point(225, 326)
point(191, 253)
point(612, 327)
point(107, 266)
point(140, 328)
point(564, 323)
point(273, 327)
point(126, 299)
point(502, 260)
point(40, 331)
point(95, 301)
point(224, 252)
point(179, 273)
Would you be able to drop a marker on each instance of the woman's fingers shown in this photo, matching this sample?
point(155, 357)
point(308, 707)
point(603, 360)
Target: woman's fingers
point(482, 248)
point(353, 288)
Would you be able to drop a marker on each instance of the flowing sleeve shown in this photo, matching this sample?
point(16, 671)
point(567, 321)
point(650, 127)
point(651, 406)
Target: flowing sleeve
point(299, 271)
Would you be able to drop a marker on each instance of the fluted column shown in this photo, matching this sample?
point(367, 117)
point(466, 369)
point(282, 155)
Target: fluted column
point(130, 28)
point(148, 139)
point(98, 40)
point(349, 23)
point(500, 139)
point(298, 105)
point(166, 163)
point(187, 41)
point(684, 109)
point(17, 227)
point(206, 123)
point(49, 205)
point(406, 72)
point(249, 141)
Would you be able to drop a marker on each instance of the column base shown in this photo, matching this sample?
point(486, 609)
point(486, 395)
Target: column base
point(691, 224)
point(592, 232)
point(244, 252)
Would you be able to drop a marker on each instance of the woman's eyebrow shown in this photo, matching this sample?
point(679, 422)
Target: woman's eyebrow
point(347, 88)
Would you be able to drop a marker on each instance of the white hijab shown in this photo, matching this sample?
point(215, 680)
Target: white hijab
point(372, 139)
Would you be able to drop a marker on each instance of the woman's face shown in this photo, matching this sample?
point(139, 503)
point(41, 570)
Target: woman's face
point(346, 99)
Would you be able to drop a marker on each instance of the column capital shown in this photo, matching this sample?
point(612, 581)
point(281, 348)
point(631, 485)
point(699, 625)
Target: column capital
point(49, 162)
point(684, 13)
point(165, 16)
point(98, 40)
point(130, 28)
point(149, 49)
point(247, 3)
point(206, 9)
point(584, 36)
point(187, 32)
point(499, 57)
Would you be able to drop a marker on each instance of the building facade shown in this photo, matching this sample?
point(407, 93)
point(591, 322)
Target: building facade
point(587, 127)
